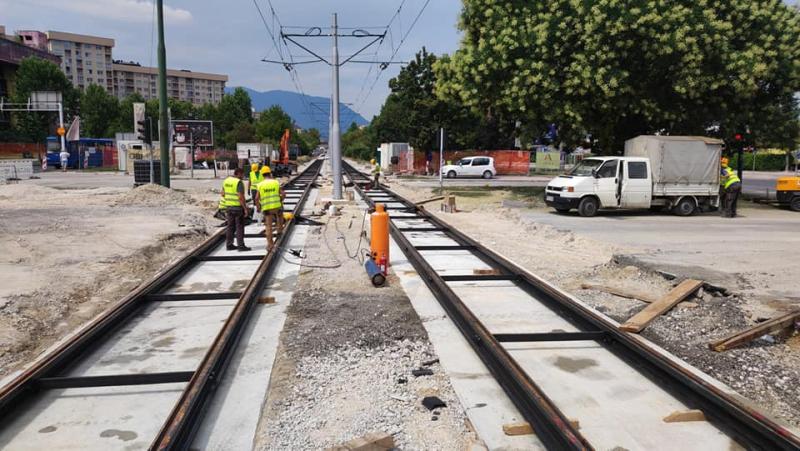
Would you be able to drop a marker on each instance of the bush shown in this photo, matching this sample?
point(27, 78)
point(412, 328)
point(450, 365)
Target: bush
point(764, 161)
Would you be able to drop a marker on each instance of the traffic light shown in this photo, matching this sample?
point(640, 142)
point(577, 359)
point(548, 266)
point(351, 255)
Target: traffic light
point(144, 131)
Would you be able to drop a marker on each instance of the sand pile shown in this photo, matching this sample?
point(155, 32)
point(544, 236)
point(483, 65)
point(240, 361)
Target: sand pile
point(154, 195)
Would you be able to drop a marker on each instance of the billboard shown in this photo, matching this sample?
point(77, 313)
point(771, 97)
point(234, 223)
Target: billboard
point(183, 132)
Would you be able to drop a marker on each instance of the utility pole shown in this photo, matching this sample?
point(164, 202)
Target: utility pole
point(335, 135)
point(163, 112)
point(336, 131)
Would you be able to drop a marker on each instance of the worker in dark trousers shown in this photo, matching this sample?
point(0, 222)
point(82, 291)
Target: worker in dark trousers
point(376, 173)
point(270, 198)
point(235, 210)
point(253, 180)
point(732, 186)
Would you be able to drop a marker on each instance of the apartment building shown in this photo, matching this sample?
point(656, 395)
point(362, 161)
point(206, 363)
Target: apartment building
point(85, 59)
point(195, 87)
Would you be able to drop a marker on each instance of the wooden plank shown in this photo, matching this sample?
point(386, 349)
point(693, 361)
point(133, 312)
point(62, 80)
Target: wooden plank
point(759, 330)
point(524, 428)
point(640, 320)
point(683, 416)
point(374, 441)
point(621, 292)
point(486, 272)
point(266, 300)
point(432, 199)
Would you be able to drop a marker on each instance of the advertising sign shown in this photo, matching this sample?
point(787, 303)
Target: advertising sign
point(138, 114)
point(247, 151)
point(183, 132)
point(548, 159)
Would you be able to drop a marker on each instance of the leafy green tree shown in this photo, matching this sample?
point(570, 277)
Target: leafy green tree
point(271, 125)
point(99, 111)
point(619, 68)
point(414, 113)
point(360, 142)
point(234, 109)
point(35, 74)
point(307, 140)
point(242, 132)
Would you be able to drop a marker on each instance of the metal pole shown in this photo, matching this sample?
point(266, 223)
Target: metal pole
point(336, 150)
point(163, 126)
point(61, 125)
point(191, 147)
point(441, 160)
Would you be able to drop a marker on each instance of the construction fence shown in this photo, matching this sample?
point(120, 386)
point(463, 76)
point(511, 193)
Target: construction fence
point(507, 162)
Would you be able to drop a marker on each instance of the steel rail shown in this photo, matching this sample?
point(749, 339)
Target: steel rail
point(182, 423)
point(47, 372)
point(740, 421)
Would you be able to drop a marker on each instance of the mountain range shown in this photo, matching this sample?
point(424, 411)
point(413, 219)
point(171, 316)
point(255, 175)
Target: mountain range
point(306, 111)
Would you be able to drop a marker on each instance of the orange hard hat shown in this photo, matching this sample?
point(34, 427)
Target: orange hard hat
point(724, 161)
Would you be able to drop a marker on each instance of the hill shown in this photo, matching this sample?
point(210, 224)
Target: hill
point(298, 106)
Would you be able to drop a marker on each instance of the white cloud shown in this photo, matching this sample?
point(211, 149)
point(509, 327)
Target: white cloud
point(122, 10)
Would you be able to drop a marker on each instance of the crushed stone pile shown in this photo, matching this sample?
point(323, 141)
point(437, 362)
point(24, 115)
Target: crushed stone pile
point(154, 195)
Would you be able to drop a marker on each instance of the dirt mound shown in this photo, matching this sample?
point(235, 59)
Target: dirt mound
point(154, 195)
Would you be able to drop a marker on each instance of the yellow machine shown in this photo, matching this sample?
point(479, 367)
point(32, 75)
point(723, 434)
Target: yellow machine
point(788, 190)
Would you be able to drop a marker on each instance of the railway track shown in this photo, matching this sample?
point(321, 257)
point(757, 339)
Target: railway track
point(559, 360)
point(159, 353)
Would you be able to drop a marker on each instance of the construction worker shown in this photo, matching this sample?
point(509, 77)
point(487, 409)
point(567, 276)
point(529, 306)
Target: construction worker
point(732, 186)
point(270, 198)
point(254, 179)
point(235, 210)
point(376, 173)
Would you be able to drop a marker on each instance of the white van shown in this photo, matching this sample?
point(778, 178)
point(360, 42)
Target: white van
point(680, 173)
point(471, 167)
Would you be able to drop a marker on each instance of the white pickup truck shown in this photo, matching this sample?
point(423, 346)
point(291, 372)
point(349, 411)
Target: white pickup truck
point(680, 173)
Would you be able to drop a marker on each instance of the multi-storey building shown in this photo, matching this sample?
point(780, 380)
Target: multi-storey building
point(88, 60)
point(195, 87)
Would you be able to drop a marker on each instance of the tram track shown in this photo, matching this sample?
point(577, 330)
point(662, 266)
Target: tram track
point(424, 238)
point(77, 370)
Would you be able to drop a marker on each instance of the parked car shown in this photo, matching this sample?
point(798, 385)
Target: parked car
point(471, 167)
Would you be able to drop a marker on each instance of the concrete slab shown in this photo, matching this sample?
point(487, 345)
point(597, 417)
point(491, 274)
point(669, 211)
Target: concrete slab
point(232, 418)
point(454, 262)
point(215, 277)
point(617, 407)
point(125, 418)
point(168, 336)
point(429, 239)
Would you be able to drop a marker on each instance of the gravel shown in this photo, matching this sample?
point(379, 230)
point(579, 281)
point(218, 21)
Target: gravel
point(347, 352)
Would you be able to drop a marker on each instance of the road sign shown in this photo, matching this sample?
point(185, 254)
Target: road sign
point(184, 131)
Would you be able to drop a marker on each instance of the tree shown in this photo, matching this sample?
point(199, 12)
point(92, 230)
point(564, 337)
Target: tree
point(35, 74)
point(359, 142)
point(99, 111)
point(271, 125)
point(618, 68)
point(243, 132)
point(414, 113)
point(307, 140)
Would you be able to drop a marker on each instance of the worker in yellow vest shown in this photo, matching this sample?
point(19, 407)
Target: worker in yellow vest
point(270, 198)
point(253, 181)
point(731, 185)
point(376, 173)
point(235, 210)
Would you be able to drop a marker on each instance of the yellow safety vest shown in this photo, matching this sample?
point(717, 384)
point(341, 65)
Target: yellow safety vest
point(729, 177)
point(269, 191)
point(376, 169)
point(231, 194)
point(221, 205)
point(255, 178)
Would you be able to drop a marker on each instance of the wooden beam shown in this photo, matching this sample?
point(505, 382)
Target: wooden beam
point(373, 441)
point(621, 292)
point(524, 428)
point(640, 320)
point(759, 330)
point(683, 416)
point(432, 199)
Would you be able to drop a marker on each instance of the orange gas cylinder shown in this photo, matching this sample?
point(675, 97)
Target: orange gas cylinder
point(379, 238)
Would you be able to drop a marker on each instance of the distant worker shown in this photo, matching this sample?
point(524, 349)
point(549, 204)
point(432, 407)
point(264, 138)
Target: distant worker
point(255, 179)
point(235, 210)
point(376, 173)
point(731, 186)
point(270, 198)
point(64, 156)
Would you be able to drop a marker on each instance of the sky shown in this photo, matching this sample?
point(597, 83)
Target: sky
point(229, 37)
